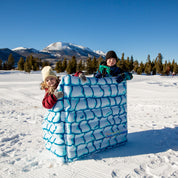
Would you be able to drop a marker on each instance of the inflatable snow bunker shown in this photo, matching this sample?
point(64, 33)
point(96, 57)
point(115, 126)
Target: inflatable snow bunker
point(91, 117)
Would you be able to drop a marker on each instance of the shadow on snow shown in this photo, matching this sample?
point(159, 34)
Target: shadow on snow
point(144, 142)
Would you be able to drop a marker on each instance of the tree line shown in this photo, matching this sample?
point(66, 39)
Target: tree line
point(71, 66)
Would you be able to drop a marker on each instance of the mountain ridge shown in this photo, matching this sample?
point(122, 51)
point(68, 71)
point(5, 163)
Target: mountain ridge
point(52, 53)
point(63, 48)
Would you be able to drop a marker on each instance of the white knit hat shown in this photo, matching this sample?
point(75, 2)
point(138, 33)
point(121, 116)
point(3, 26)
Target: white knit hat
point(46, 72)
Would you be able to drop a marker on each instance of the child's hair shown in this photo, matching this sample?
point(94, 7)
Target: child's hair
point(50, 90)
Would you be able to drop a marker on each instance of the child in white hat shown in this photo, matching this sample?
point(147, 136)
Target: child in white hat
point(49, 84)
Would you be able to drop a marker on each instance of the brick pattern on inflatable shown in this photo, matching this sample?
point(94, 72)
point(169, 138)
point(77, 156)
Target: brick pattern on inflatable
point(92, 116)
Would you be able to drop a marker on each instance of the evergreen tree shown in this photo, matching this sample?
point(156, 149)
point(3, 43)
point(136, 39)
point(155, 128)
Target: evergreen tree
point(45, 63)
point(172, 65)
point(164, 70)
point(27, 65)
point(122, 58)
point(159, 65)
point(153, 66)
point(31, 61)
point(40, 63)
point(139, 70)
point(127, 64)
point(73, 64)
point(122, 64)
point(94, 64)
point(148, 59)
point(20, 63)
point(10, 62)
point(5, 66)
point(136, 65)
point(36, 65)
point(59, 67)
point(131, 62)
point(168, 68)
point(148, 67)
point(69, 67)
point(0, 64)
point(80, 66)
point(169, 64)
point(175, 68)
point(142, 67)
point(89, 66)
point(64, 65)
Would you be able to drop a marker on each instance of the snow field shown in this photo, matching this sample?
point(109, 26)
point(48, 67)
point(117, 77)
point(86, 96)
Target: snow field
point(151, 151)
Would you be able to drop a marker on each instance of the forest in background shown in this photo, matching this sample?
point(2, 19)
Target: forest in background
point(90, 66)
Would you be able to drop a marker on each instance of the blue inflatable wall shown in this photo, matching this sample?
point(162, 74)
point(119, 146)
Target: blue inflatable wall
point(92, 116)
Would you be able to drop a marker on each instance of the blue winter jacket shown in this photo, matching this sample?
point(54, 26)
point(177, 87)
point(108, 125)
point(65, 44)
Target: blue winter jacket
point(105, 71)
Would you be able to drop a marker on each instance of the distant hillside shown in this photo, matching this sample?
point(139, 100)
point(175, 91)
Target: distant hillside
point(31, 51)
point(5, 52)
point(52, 53)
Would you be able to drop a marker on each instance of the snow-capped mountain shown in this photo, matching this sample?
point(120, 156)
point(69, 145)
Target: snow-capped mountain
point(101, 53)
point(61, 49)
point(52, 53)
point(25, 49)
point(63, 46)
point(31, 51)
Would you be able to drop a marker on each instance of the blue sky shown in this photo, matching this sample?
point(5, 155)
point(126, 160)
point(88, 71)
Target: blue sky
point(132, 27)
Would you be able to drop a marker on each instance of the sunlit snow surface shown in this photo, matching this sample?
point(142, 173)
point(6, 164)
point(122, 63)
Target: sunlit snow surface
point(152, 122)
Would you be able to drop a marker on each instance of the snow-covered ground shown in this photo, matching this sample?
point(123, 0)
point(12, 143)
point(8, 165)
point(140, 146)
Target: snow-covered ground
point(151, 151)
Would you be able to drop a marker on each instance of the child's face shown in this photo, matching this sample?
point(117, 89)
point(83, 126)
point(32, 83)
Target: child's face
point(111, 62)
point(51, 81)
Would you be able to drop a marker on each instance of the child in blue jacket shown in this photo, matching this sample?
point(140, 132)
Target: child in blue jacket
point(108, 68)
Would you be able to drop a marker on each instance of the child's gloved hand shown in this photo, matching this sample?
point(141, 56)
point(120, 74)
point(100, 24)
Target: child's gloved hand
point(82, 77)
point(128, 76)
point(58, 94)
point(124, 76)
point(98, 75)
point(120, 78)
